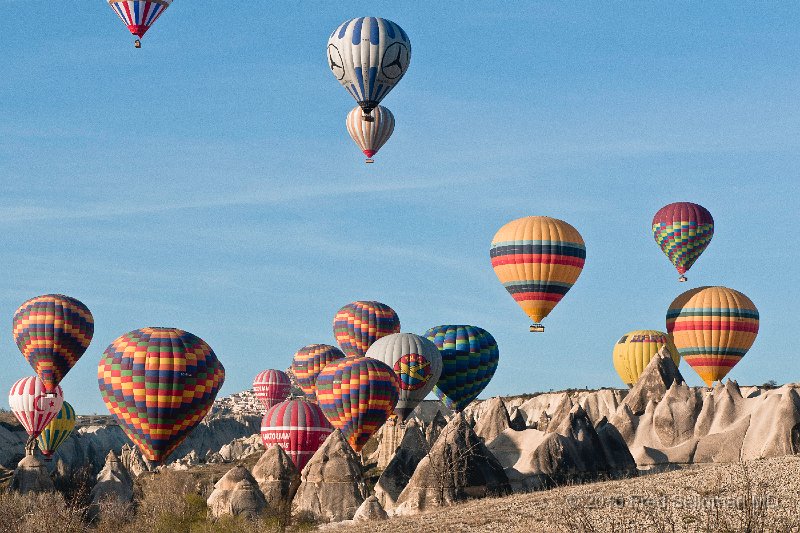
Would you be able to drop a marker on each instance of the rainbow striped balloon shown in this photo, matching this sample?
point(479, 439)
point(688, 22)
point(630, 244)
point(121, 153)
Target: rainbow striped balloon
point(357, 325)
point(53, 332)
point(298, 426)
point(357, 394)
point(537, 259)
point(683, 230)
point(159, 383)
point(309, 361)
point(272, 387)
point(57, 431)
point(712, 327)
point(470, 356)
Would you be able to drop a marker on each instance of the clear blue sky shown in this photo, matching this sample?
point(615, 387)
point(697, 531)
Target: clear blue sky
point(207, 181)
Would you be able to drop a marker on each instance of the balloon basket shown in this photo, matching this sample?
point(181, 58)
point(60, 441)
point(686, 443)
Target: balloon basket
point(683, 279)
point(369, 161)
point(368, 118)
point(537, 328)
point(137, 43)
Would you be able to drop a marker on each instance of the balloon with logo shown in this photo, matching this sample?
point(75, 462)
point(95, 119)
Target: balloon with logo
point(417, 363)
point(33, 406)
point(57, 431)
point(368, 56)
point(298, 426)
point(139, 15)
point(309, 361)
point(52, 332)
point(683, 230)
point(357, 395)
point(537, 259)
point(359, 324)
point(370, 135)
point(159, 383)
point(470, 357)
point(271, 387)
point(713, 328)
point(635, 349)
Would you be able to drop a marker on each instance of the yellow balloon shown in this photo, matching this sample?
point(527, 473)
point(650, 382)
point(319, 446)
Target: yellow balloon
point(634, 350)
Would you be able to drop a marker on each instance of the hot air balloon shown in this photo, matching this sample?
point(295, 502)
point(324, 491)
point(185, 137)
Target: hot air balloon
point(57, 430)
point(139, 15)
point(357, 395)
point(537, 259)
point(370, 135)
point(52, 332)
point(272, 387)
point(298, 426)
point(470, 357)
point(683, 230)
point(417, 363)
point(159, 383)
point(712, 327)
point(634, 350)
point(34, 407)
point(369, 55)
point(309, 361)
point(357, 325)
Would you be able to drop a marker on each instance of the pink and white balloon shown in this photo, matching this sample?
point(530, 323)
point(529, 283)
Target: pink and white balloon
point(272, 387)
point(32, 406)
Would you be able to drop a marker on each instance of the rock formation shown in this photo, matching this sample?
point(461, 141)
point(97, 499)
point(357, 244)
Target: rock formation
point(238, 449)
point(518, 421)
point(434, 427)
point(237, 494)
point(459, 466)
point(402, 466)
point(389, 437)
point(277, 477)
point(114, 481)
point(370, 510)
point(31, 475)
point(494, 419)
point(658, 376)
point(331, 484)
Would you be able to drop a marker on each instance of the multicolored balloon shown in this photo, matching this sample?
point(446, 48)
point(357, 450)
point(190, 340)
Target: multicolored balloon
point(309, 361)
point(635, 349)
point(712, 327)
point(369, 55)
point(359, 324)
point(33, 406)
point(139, 15)
point(470, 357)
point(298, 426)
point(537, 259)
point(57, 431)
point(272, 387)
point(683, 230)
point(159, 383)
point(370, 135)
point(52, 332)
point(417, 363)
point(357, 395)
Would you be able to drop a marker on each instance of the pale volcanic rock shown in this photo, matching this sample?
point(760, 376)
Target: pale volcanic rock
point(433, 428)
point(370, 510)
point(277, 477)
point(657, 377)
point(398, 472)
point(31, 476)
point(494, 419)
point(675, 415)
point(236, 494)
point(113, 482)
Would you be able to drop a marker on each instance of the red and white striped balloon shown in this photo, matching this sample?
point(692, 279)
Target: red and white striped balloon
point(298, 426)
point(32, 406)
point(272, 387)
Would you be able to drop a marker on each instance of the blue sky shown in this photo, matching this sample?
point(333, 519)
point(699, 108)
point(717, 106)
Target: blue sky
point(207, 181)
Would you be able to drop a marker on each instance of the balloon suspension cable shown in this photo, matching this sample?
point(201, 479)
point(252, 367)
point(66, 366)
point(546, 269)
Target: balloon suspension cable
point(683, 279)
point(137, 43)
point(369, 161)
point(537, 328)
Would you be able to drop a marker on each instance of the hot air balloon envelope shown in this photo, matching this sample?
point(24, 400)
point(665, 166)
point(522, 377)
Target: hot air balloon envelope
point(683, 230)
point(298, 426)
point(139, 15)
point(271, 387)
point(33, 406)
point(309, 361)
point(370, 135)
point(357, 325)
point(57, 431)
point(634, 351)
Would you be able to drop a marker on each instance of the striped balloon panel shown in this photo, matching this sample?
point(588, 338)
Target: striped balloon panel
point(52, 332)
point(33, 406)
point(359, 324)
point(370, 136)
point(57, 430)
point(537, 259)
point(683, 230)
point(712, 327)
point(357, 395)
point(634, 350)
point(272, 387)
point(368, 55)
point(139, 15)
point(417, 363)
point(299, 427)
point(309, 361)
point(159, 383)
point(470, 357)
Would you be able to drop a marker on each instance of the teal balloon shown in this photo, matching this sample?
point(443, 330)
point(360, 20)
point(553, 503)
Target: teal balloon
point(470, 357)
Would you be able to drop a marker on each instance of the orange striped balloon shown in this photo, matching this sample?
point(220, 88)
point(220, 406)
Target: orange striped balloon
point(370, 135)
point(712, 327)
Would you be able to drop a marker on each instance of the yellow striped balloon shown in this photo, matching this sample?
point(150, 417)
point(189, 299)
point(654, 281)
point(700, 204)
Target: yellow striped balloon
point(634, 351)
point(537, 259)
point(57, 430)
point(712, 327)
point(370, 135)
